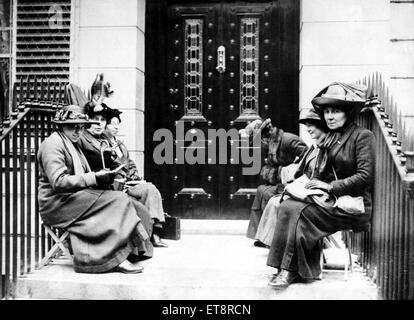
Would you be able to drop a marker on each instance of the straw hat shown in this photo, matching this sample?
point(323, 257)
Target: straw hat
point(72, 114)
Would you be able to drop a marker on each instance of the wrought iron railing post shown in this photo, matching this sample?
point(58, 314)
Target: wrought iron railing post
point(6, 110)
point(24, 123)
point(387, 247)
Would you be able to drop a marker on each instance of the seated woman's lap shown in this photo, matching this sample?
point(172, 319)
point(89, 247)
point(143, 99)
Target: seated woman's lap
point(331, 220)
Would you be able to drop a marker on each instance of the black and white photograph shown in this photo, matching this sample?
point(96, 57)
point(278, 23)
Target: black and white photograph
point(206, 154)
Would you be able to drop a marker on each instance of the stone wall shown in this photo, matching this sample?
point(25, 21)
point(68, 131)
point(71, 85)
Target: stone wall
point(402, 55)
point(341, 41)
point(109, 37)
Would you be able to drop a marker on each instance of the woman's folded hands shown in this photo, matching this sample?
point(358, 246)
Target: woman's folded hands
point(318, 184)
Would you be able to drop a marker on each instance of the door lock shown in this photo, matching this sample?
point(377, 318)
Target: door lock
point(221, 59)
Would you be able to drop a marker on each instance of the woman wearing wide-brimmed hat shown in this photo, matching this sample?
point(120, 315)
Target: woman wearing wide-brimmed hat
point(105, 229)
point(347, 152)
point(317, 130)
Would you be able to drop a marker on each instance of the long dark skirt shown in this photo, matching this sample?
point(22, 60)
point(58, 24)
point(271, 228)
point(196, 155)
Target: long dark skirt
point(262, 197)
point(115, 226)
point(299, 228)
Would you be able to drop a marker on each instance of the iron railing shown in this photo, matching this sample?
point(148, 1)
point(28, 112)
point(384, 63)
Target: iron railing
point(23, 242)
point(386, 251)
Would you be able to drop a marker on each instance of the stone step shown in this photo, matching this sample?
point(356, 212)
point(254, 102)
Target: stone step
point(199, 266)
point(216, 227)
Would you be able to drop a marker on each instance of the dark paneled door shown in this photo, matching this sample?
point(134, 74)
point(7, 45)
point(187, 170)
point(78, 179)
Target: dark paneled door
point(224, 69)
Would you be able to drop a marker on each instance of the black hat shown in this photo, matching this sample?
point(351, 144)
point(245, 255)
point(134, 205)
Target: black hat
point(102, 110)
point(114, 113)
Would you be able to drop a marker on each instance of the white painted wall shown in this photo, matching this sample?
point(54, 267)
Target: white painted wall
point(402, 61)
point(341, 40)
point(109, 37)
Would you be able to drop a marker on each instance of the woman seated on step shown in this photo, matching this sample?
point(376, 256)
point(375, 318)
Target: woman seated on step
point(280, 149)
point(345, 165)
point(317, 130)
point(104, 226)
point(96, 138)
point(147, 193)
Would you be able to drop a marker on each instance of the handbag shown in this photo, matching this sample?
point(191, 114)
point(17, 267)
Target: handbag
point(172, 228)
point(297, 190)
point(349, 204)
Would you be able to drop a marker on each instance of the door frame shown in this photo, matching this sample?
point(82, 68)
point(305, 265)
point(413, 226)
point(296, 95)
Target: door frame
point(156, 90)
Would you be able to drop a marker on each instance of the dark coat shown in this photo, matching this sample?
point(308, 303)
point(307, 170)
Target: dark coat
point(91, 148)
point(353, 158)
point(284, 147)
point(300, 226)
point(131, 170)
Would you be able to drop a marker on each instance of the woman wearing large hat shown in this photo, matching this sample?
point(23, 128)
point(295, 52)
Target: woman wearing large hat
point(347, 152)
point(97, 138)
point(105, 230)
point(317, 130)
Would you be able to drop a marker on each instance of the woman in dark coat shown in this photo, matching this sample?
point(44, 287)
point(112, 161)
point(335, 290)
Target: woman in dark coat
point(95, 139)
point(282, 149)
point(349, 150)
point(104, 226)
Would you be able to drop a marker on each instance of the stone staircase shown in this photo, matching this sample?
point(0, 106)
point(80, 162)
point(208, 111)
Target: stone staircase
point(212, 261)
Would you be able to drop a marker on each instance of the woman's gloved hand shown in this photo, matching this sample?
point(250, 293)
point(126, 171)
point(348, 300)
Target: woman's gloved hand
point(317, 184)
point(104, 177)
point(134, 175)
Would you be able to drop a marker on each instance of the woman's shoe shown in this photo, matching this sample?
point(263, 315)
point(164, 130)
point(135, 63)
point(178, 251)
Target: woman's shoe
point(128, 267)
point(157, 242)
point(259, 244)
point(274, 275)
point(284, 279)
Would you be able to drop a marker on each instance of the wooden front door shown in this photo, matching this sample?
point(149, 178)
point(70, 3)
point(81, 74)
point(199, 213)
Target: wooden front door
point(211, 68)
